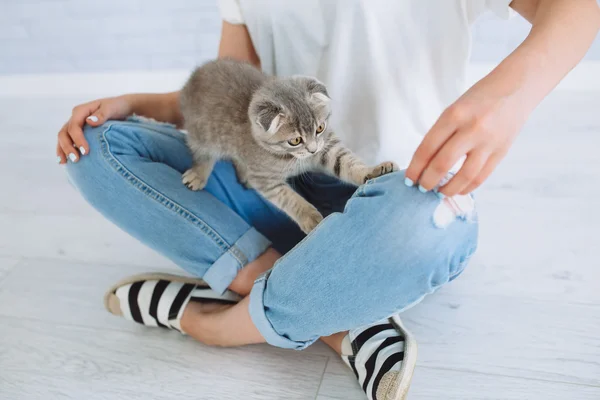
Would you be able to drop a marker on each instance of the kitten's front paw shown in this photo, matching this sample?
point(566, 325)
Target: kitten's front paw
point(382, 169)
point(309, 221)
point(193, 180)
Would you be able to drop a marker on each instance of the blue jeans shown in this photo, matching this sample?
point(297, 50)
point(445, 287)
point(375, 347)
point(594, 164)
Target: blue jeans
point(377, 252)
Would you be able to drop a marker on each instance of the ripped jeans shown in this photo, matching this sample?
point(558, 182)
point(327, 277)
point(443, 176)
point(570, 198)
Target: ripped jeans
point(382, 247)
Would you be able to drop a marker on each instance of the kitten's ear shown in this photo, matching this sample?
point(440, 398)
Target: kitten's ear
point(314, 87)
point(320, 100)
point(269, 116)
point(318, 96)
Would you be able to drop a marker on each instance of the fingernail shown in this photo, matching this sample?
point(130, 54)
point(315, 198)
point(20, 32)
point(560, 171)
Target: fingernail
point(72, 157)
point(58, 159)
point(408, 182)
point(422, 189)
point(82, 150)
point(93, 118)
point(442, 196)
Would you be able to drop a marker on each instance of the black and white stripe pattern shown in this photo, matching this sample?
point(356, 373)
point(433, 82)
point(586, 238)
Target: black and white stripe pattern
point(161, 302)
point(380, 349)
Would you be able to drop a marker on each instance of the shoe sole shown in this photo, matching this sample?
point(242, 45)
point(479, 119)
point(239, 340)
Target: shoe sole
point(155, 276)
point(408, 363)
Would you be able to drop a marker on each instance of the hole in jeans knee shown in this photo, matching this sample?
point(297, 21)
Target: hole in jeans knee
point(452, 208)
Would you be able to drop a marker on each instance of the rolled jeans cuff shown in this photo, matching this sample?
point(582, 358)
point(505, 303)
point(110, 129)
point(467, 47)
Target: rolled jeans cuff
point(260, 320)
point(245, 250)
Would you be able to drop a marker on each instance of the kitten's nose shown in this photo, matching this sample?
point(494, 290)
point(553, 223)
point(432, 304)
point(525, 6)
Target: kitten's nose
point(312, 148)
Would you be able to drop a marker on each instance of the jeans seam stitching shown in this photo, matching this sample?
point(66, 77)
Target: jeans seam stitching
point(239, 255)
point(154, 194)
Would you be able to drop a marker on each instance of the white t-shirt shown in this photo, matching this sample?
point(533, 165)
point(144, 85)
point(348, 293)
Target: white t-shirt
point(391, 66)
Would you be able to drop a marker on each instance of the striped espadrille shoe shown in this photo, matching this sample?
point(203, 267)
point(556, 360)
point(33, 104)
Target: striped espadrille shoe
point(157, 299)
point(383, 357)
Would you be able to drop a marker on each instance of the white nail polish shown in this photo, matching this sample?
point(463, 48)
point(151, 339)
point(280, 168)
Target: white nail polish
point(72, 157)
point(93, 118)
point(82, 150)
point(58, 159)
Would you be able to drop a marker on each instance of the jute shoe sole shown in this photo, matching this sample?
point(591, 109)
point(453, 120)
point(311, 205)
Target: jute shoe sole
point(409, 363)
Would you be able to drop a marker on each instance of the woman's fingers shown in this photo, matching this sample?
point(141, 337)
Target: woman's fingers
point(431, 144)
point(63, 137)
point(97, 118)
point(75, 128)
point(467, 174)
point(60, 155)
point(485, 172)
point(71, 140)
point(456, 147)
point(81, 115)
point(66, 144)
point(78, 139)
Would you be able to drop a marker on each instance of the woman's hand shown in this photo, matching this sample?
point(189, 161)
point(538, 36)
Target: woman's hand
point(71, 141)
point(235, 43)
point(481, 125)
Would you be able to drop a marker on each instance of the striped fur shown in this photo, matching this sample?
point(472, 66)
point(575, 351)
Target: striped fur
point(233, 111)
point(339, 161)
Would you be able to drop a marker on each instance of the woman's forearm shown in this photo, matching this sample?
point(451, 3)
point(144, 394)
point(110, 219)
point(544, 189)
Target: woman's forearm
point(562, 32)
point(162, 107)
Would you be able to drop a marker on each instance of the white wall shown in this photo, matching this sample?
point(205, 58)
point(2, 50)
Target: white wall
point(40, 36)
point(63, 36)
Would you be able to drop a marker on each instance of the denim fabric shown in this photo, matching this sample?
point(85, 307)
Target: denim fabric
point(377, 252)
point(383, 254)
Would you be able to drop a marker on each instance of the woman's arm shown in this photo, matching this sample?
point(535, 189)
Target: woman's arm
point(235, 43)
point(160, 106)
point(562, 32)
point(483, 123)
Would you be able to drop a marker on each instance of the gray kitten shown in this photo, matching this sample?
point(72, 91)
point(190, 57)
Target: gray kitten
point(270, 128)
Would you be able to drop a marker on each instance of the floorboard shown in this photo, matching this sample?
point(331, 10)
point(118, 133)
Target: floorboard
point(521, 322)
point(82, 363)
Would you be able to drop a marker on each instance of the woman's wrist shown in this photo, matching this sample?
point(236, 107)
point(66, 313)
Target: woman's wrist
point(162, 107)
point(171, 103)
point(518, 82)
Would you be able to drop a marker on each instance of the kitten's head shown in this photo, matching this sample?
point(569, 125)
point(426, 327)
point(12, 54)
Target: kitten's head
point(290, 116)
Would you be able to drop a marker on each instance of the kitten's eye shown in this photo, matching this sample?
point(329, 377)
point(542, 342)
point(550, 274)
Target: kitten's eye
point(295, 141)
point(321, 128)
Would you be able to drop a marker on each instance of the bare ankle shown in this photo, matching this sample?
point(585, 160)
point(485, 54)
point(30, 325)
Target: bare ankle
point(229, 325)
point(195, 317)
point(244, 280)
point(335, 341)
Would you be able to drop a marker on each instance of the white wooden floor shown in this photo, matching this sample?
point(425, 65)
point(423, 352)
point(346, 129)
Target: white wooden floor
point(523, 322)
